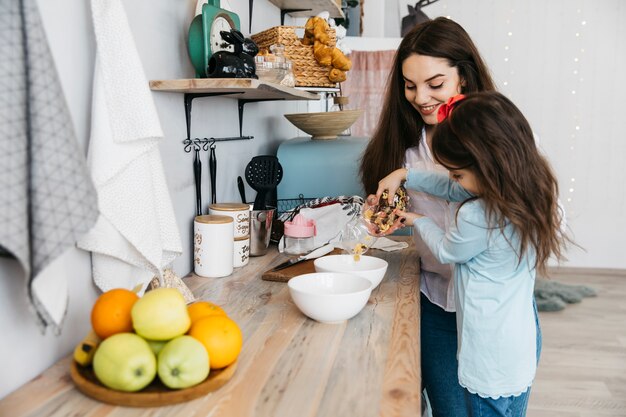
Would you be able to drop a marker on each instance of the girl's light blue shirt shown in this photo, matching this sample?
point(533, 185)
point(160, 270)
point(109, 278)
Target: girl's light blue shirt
point(494, 292)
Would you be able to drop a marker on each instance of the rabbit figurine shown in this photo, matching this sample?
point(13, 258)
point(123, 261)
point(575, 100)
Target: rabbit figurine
point(237, 64)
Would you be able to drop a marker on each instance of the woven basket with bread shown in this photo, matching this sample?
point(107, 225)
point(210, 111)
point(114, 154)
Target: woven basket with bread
point(313, 56)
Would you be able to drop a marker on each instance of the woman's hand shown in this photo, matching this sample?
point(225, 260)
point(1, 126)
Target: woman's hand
point(391, 183)
point(370, 202)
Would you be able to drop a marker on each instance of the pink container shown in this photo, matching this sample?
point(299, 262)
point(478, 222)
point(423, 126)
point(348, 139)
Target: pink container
point(299, 235)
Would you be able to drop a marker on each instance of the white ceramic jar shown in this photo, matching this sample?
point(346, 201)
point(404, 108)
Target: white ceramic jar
point(239, 212)
point(213, 246)
point(241, 251)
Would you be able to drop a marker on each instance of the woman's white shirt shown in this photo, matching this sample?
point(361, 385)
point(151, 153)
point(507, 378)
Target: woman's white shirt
point(436, 281)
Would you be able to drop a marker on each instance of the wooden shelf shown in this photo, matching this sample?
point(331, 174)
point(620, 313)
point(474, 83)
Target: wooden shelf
point(237, 88)
point(316, 6)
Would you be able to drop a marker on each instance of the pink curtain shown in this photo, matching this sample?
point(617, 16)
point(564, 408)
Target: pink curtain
point(366, 85)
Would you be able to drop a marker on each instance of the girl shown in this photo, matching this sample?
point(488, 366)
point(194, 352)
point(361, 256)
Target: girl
point(504, 231)
point(434, 62)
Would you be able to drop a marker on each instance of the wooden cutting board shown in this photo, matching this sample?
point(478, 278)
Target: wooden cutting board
point(286, 274)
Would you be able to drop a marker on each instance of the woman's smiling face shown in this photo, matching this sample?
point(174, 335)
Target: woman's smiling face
point(429, 82)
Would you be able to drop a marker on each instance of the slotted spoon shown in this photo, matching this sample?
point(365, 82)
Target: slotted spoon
point(263, 174)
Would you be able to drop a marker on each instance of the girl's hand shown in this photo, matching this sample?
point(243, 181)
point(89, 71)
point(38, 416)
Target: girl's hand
point(391, 183)
point(407, 218)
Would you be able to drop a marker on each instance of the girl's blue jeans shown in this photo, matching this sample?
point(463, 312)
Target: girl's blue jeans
point(439, 364)
point(440, 370)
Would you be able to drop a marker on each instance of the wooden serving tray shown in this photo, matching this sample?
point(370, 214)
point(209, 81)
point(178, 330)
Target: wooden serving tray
point(286, 274)
point(154, 395)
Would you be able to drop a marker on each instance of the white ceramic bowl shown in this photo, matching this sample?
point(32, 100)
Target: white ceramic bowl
point(330, 297)
point(368, 267)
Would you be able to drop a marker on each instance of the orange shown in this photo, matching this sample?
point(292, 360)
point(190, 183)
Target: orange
point(221, 337)
point(201, 309)
point(111, 312)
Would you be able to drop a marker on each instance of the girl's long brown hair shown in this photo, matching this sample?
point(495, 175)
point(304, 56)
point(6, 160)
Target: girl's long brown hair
point(489, 135)
point(400, 126)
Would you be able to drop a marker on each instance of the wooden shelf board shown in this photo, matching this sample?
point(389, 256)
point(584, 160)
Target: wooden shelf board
point(244, 88)
point(316, 6)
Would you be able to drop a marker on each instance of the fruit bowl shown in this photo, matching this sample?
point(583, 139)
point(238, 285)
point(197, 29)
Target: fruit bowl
point(154, 395)
point(324, 125)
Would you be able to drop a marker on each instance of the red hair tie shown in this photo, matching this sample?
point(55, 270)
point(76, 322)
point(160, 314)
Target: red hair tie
point(446, 108)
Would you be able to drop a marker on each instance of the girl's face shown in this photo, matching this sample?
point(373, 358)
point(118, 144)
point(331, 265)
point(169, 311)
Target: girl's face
point(466, 179)
point(428, 83)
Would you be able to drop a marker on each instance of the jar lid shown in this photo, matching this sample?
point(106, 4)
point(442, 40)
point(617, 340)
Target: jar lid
point(300, 226)
point(213, 219)
point(229, 206)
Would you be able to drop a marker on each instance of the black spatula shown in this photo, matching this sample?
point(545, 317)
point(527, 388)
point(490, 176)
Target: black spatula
point(263, 174)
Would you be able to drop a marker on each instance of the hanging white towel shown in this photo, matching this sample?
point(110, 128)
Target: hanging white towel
point(136, 235)
point(47, 198)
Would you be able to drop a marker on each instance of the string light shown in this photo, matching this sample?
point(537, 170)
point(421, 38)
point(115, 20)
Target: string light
point(577, 126)
point(506, 58)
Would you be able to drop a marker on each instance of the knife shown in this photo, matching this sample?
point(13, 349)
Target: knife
point(321, 251)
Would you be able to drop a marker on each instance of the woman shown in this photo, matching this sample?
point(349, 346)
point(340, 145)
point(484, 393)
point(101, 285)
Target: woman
point(500, 238)
point(435, 61)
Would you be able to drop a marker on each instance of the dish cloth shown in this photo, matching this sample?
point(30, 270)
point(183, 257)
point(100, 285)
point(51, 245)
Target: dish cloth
point(136, 235)
point(330, 214)
point(389, 245)
point(47, 198)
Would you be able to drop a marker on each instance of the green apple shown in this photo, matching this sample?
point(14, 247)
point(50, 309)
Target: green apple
point(161, 314)
point(183, 362)
point(156, 345)
point(125, 362)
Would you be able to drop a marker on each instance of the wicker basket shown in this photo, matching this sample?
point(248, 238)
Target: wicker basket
point(306, 69)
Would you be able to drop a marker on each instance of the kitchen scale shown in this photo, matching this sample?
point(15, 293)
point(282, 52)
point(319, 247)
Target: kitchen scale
point(204, 37)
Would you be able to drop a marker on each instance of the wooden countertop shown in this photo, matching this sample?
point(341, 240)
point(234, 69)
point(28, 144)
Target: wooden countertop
point(290, 365)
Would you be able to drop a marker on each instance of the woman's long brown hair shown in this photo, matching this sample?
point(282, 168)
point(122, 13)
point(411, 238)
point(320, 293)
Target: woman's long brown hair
point(490, 136)
point(400, 126)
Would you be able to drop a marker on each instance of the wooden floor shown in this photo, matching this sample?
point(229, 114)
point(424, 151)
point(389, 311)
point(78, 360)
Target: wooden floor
point(582, 371)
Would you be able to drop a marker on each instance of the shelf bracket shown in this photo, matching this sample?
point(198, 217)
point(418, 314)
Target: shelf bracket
point(243, 101)
point(283, 12)
point(188, 102)
point(203, 143)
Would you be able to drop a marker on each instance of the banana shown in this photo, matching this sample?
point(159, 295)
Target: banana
point(84, 351)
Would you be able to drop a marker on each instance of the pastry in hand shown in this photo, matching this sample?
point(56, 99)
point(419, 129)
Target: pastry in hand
point(383, 216)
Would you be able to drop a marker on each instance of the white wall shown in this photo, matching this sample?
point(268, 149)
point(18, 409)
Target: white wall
point(562, 62)
point(159, 28)
point(537, 73)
